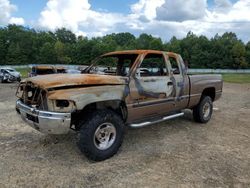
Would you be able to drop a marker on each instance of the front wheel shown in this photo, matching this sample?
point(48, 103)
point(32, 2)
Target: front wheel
point(101, 135)
point(202, 113)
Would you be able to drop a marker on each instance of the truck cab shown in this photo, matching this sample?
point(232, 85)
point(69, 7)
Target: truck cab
point(42, 70)
point(158, 81)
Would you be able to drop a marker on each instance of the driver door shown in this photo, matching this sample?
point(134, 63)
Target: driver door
point(151, 90)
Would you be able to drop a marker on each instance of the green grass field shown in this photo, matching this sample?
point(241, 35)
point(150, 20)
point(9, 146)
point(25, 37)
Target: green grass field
point(236, 78)
point(231, 78)
point(24, 72)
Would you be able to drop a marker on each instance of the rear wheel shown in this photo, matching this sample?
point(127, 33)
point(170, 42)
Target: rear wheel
point(202, 113)
point(101, 135)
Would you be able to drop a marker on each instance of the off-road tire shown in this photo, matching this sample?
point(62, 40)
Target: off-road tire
point(87, 134)
point(198, 112)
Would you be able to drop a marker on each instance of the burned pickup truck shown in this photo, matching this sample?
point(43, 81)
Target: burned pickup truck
point(128, 88)
point(39, 70)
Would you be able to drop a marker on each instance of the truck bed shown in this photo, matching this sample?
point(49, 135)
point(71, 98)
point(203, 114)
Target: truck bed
point(198, 83)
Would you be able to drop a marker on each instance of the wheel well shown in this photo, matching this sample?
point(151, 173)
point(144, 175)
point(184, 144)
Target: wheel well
point(117, 106)
point(209, 92)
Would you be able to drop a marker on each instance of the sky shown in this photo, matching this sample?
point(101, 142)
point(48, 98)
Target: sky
point(160, 18)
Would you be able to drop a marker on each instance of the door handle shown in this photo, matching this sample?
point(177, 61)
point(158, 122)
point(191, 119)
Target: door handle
point(170, 83)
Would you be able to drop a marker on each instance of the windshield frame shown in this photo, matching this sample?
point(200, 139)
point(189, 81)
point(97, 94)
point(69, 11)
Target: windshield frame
point(93, 63)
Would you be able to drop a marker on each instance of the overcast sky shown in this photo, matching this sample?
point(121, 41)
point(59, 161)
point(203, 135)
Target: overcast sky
point(162, 18)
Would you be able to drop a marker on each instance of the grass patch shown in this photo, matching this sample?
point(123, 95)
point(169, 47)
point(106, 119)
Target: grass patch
point(24, 71)
point(236, 78)
point(231, 77)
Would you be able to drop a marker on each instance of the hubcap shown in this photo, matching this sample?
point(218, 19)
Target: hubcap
point(105, 136)
point(206, 110)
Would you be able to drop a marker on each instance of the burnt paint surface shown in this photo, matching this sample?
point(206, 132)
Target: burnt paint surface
point(84, 96)
point(152, 96)
point(62, 80)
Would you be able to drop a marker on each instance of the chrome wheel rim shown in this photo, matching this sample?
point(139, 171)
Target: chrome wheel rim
point(206, 110)
point(105, 136)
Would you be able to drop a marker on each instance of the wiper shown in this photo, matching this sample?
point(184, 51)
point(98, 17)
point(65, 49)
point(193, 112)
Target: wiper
point(88, 68)
point(85, 70)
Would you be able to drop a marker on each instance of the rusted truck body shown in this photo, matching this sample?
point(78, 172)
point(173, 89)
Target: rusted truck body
point(136, 88)
point(46, 69)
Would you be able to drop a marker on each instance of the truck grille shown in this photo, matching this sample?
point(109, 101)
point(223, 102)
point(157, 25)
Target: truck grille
point(32, 95)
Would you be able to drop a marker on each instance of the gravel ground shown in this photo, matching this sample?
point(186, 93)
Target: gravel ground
point(177, 153)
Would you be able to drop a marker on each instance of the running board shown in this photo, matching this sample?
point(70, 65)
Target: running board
point(139, 125)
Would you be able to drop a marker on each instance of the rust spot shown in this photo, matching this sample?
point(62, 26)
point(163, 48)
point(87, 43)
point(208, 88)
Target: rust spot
point(172, 54)
point(60, 80)
point(133, 52)
point(44, 67)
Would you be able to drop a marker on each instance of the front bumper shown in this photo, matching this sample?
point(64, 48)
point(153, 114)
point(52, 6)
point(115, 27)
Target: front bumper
point(12, 79)
point(43, 121)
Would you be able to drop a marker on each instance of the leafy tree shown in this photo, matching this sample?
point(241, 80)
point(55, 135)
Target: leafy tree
point(3, 46)
point(156, 44)
point(21, 45)
point(14, 55)
point(248, 54)
point(47, 54)
point(173, 45)
point(60, 53)
point(144, 41)
point(239, 53)
point(124, 40)
point(65, 36)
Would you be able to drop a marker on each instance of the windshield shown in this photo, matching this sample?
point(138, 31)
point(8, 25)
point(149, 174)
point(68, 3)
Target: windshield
point(45, 71)
point(116, 65)
point(61, 71)
point(10, 70)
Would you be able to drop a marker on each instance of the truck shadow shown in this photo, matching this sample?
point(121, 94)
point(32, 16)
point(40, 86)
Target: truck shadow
point(64, 147)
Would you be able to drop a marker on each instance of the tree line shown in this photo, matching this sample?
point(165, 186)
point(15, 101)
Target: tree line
point(20, 45)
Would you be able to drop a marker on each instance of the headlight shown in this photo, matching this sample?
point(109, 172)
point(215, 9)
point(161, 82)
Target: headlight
point(61, 105)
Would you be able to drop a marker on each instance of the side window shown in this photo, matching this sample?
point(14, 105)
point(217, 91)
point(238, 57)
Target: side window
point(152, 65)
point(174, 65)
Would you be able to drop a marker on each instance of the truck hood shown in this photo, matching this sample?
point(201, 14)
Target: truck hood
point(75, 80)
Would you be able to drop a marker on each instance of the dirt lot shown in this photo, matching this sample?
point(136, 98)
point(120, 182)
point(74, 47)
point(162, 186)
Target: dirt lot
point(177, 153)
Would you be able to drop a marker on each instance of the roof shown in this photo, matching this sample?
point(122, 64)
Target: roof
point(60, 68)
point(44, 66)
point(6, 68)
point(138, 52)
point(49, 67)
